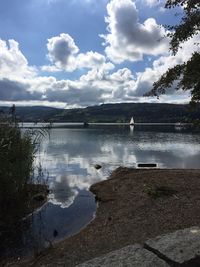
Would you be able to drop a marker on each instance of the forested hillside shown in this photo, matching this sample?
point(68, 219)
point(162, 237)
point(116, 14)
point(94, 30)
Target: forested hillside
point(142, 112)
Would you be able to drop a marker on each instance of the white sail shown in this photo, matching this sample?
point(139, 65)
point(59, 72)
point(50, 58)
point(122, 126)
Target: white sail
point(132, 121)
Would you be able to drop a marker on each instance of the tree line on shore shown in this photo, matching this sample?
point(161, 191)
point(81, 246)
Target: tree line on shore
point(142, 112)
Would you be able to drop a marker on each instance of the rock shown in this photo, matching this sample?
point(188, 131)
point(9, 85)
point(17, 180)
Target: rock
point(180, 246)
point(85, 124)
point(39, 197)
point(48, 191)
point(97, 166)
point(97, 199)
point(130, 256)
point(55, 233)
point(147, 165)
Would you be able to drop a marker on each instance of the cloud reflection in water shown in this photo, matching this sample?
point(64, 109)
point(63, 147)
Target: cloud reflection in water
point(70, 155)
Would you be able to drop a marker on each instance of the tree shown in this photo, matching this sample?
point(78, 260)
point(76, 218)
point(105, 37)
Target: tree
point(188, 73)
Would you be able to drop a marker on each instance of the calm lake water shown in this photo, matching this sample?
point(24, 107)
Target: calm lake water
point(68, 157)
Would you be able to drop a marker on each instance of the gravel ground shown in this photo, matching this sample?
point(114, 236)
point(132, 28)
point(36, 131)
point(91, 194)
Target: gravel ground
point(133, 205)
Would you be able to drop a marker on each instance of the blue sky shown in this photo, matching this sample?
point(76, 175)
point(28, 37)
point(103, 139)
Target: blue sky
point(75, 53)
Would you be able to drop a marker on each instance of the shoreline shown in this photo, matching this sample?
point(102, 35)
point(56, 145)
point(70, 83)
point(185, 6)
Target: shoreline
point(133, 205)
point(58, 125)
point(34, 198)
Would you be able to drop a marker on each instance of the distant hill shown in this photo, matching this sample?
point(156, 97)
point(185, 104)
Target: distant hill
point(142, 112)
point(35, 113)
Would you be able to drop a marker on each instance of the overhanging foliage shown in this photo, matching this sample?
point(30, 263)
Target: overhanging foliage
point(188, 73)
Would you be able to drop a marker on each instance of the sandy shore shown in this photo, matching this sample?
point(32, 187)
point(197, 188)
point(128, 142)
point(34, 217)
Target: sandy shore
point(133, 205)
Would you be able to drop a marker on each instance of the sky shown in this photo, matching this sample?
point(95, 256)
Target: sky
point(78, 53)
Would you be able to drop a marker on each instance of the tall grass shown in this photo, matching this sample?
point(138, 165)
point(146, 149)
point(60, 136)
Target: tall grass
point(16, 163)
point(17, 152)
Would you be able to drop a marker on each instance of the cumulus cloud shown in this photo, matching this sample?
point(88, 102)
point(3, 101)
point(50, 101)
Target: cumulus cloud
point(93, 60)
point(99, 85)
point(128, 39)
point(15, 91)
point(90, 59)
point(20, 82)
point(63, 54)
point(95, 87)
point(15, 73)
point(13, 63)
point(62, 50)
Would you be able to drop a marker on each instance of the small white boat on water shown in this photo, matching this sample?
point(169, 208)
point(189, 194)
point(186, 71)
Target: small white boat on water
point(132, 121)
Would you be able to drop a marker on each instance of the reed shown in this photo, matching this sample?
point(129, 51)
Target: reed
point(17, 153)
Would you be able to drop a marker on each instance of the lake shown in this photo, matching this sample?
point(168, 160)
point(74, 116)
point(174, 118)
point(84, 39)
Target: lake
point(68, 157)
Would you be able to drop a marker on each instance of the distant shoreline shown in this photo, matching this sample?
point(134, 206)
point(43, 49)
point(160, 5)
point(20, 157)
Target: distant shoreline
point(63, 124)
point(119, 113)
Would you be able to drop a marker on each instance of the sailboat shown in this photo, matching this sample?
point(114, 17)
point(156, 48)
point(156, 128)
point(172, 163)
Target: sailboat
point(132, 121)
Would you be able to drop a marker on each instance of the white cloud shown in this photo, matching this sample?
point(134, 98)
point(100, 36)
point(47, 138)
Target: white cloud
point(152, 3)
point(92, 60)
point(128, 39)
point(162, 64)
point(62, 50)
point(13, 63)
point(21, 83)
point(63, 54)
point(50, 68)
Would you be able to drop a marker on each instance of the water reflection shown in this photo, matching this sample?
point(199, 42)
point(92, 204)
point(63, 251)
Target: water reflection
point(131, 130)
point(69, 156)
point(63, 194)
